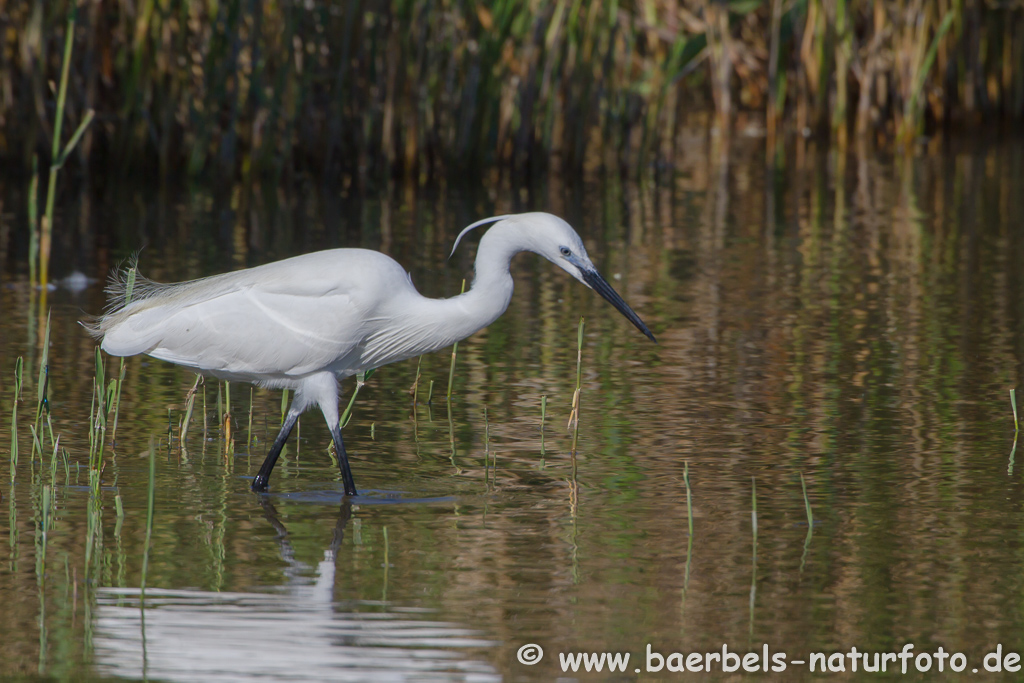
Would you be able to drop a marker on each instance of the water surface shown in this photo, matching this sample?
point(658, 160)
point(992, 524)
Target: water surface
point(852, 320)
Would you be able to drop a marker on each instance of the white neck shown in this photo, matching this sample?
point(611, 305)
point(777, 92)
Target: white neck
point(491, 291)
point(487, 298)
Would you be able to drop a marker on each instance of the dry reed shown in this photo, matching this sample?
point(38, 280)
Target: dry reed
point(264, 88)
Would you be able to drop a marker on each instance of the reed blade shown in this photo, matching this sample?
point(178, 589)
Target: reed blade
point(574, 416)
point(149, 519)
point(455, 352)
point(1013, 404)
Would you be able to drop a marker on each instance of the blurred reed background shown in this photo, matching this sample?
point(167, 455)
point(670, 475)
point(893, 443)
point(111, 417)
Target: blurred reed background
point(363, 88)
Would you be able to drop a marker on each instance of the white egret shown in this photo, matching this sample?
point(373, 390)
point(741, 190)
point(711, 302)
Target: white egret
point(306, 322)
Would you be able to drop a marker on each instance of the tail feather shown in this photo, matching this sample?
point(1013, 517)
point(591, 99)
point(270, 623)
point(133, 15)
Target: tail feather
point(125, 287)
point(137, 305)
point(93, 325)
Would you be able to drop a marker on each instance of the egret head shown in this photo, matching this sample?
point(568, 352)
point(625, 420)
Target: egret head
point(555, 240)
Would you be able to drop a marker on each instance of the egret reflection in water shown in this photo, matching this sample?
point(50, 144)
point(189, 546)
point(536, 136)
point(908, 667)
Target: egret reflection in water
point(298, 632)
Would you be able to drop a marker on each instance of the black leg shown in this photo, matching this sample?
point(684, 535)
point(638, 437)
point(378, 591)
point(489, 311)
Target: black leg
point(339, 445)
point(259, 484)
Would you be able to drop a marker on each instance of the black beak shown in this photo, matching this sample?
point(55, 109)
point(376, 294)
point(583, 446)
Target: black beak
point(599, 285)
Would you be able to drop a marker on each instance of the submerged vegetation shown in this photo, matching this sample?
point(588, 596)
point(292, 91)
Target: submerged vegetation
point(419, 88)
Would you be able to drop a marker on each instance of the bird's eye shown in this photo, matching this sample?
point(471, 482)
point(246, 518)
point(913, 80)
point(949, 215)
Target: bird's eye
point(565, 251)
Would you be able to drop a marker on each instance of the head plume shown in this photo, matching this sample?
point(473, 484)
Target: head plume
point(484, 221)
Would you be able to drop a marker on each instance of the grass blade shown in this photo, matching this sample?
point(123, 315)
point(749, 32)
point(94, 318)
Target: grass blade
point(455, 351)
point(1013, 404)
point(810, 523)
point(149, 518)
point(574, 415)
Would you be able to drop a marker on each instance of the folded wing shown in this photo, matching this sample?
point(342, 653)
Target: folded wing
point(264, 332)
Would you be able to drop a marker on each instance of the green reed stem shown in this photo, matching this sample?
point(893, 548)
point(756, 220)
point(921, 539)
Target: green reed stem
point(488, 474)
point(103, 396)
point(12, 528)
point(807, 501)
point(42, 382)
point(92, 425)
point(451, 439)
point(689, 499)
point(49, 430)
point(753, 512)
point(58, 157)
point(33, 224)
point(810, 523)
point(229, 439)
point(1013, 404)
point(1013, 453)
point(455, 351)
point(18, 369)
point(47, 225)
point(579, 382)
point(689, 523)
point(913, 115)
point(206, 425)
point(543, 418)
point(117, 401)
point(190, 403)
point(53, 462)
point(94, 534)
point(416, 383)
point(149, 517)
point(14, 441)
point(387, 565)
point(128, 291)
point(248, 433)
point(361, 379)
point(753, 554)
point(45, 521)
point(37, 445)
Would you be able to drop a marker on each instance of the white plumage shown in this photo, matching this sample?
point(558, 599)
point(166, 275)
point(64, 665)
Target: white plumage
point(305, 322)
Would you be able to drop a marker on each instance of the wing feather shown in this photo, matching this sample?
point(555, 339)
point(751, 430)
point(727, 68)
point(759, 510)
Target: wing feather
point(274, 322)
point(260, 334)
